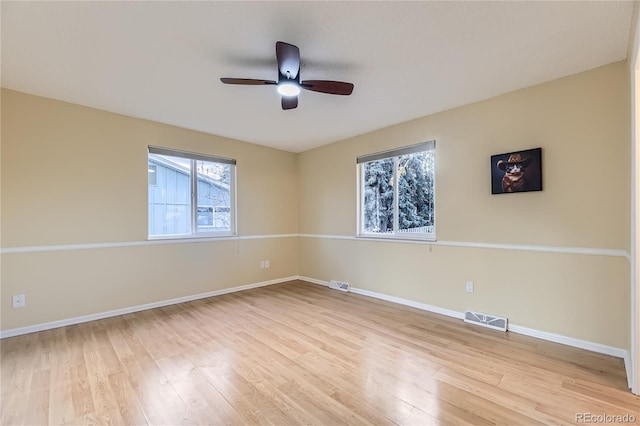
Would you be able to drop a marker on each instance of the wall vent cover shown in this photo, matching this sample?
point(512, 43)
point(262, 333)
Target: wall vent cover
point(485, 320)
point(339, 285)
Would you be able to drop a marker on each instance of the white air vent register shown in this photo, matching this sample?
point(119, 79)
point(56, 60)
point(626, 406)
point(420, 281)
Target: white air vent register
point(339, 285)
point(485, 320)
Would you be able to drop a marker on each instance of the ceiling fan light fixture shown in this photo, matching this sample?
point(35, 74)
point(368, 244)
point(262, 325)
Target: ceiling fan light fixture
point(288, 89)
point(289, 83)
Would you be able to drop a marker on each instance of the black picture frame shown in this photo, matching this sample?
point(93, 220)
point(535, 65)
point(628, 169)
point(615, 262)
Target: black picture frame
point(518, 171)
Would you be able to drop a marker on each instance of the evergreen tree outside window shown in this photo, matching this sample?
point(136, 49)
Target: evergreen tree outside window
point(397, 193)
point(190, 194)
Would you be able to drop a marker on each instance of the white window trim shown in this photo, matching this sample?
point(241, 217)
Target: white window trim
point(193, 157)
point(360, 233)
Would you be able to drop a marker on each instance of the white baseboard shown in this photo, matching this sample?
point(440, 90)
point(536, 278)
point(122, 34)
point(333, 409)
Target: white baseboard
point(552, 337)
point(315, 281)
point(393, 299)
point(628, 369)
point(411, 303)
point(108, 314)
point(570, 341)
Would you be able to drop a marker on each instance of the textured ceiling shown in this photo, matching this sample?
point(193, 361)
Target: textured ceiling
point(163, 60)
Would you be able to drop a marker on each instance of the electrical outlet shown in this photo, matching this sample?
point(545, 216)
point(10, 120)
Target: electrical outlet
point(19, 301)
point(469, 287)
point(267, 264)
point(262, 264)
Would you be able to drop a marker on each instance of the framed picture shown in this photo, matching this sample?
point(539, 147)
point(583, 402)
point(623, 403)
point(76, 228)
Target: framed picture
point(519, 171)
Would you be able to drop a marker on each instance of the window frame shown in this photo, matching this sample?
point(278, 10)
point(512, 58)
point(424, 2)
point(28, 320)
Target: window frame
point(193, 179)
point(393, 154)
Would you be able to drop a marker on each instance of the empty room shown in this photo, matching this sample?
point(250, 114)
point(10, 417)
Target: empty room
point(386, 213)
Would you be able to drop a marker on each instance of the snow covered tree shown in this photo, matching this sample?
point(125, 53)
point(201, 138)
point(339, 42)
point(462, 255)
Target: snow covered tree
point(415, 190)
point(378, 195)
point(415, 193)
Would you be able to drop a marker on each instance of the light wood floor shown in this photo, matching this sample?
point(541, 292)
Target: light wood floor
point(298, 353)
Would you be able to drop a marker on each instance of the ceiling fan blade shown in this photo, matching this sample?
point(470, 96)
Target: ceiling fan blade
point(288, 57)
point(246, 81)
point(328, 86)
point(289, 102)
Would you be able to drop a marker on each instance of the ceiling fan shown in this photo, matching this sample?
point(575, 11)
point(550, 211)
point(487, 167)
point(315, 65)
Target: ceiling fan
point(289, 83)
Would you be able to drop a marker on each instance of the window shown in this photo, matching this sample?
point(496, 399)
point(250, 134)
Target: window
point(190, 194)
point(397, 193)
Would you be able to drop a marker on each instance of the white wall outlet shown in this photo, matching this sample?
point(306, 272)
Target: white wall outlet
point(19, 301)
point(262, 264)
point(267, 264)
point(469, 287)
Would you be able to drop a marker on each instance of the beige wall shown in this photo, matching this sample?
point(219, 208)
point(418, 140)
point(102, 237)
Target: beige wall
point(72, 174)
point(582, 123)
point(76, 175)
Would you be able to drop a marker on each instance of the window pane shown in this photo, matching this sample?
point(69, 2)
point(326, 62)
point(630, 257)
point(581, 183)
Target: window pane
point(398, 192)
point(169, 195)
point(415, 193)
point(214, 197)
point(190, 194)
point(378, 196)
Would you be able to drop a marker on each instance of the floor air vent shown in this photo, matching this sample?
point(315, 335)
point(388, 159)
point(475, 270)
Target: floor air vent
point(339, 285)
point(497, 323)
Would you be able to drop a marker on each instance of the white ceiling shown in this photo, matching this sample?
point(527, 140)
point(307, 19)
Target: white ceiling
point(163, 61)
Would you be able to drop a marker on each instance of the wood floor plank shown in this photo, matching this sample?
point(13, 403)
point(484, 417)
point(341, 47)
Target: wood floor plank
point(61, 408)
point(523, 405)
point(98, 382)
point(205, 404)
point(38, 399)
point(126, 400)
point(300, 354)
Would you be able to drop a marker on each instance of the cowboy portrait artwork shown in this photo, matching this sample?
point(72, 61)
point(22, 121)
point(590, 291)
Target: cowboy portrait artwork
point(519, 171)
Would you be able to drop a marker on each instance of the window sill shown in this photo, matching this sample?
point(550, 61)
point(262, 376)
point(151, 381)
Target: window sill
point(201, 236)
point(395, 237)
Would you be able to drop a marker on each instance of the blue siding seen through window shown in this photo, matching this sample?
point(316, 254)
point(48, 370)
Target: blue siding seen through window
point(170, 196)
point(169, 199)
